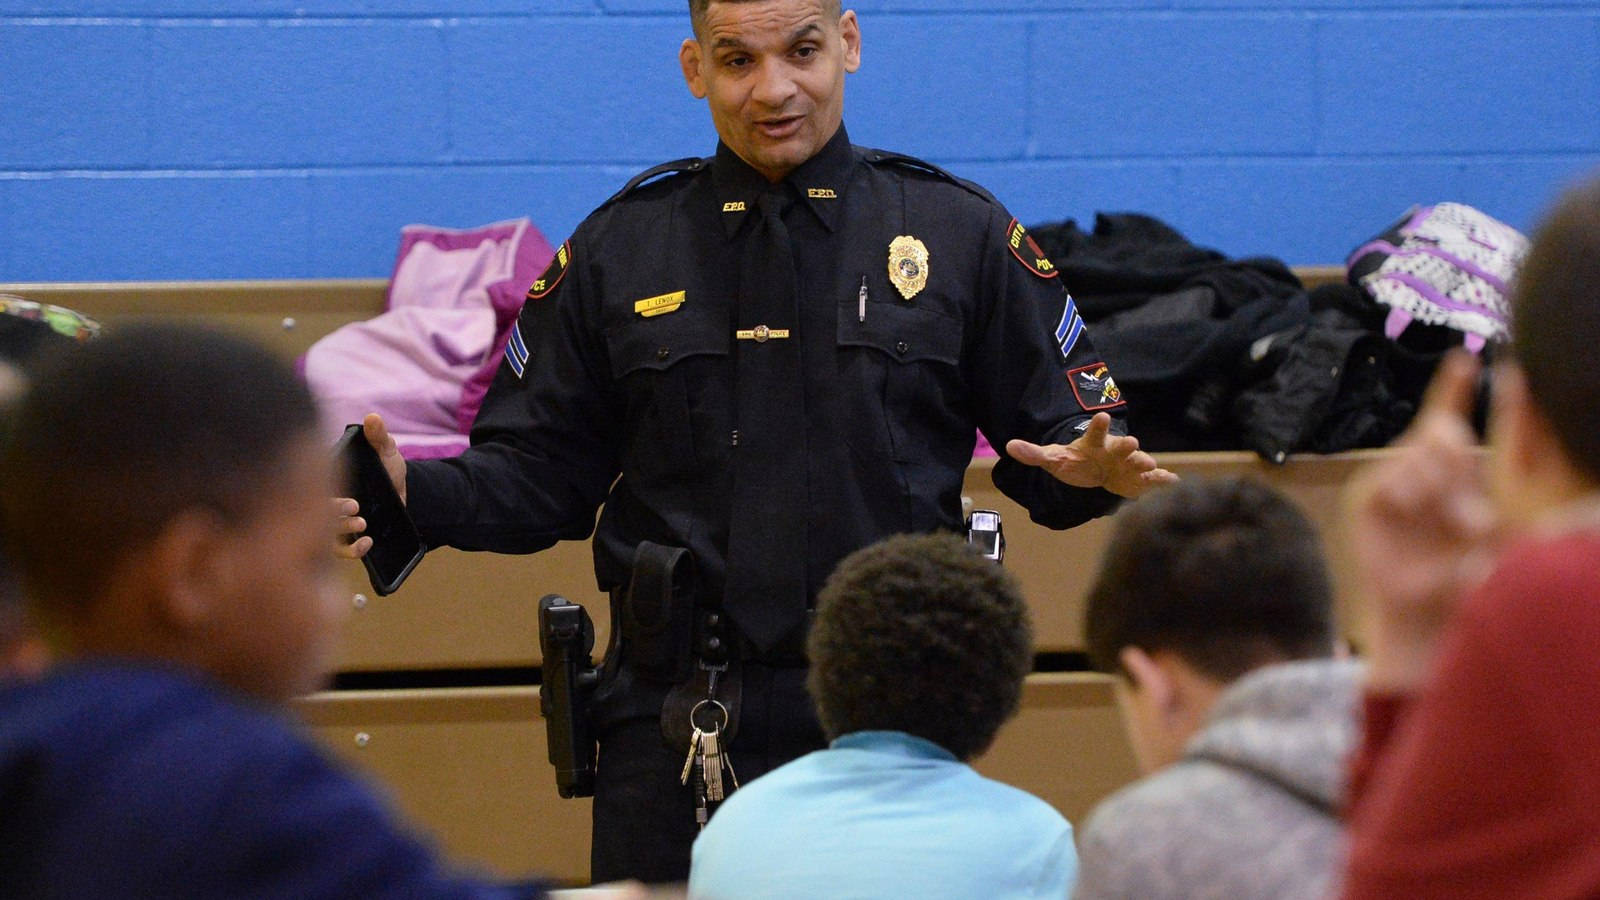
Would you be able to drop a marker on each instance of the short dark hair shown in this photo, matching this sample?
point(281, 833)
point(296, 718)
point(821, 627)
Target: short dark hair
point(920, 634)
point(697, 9)
point(117, 437)
point(1228, 574)
point(1555, 323)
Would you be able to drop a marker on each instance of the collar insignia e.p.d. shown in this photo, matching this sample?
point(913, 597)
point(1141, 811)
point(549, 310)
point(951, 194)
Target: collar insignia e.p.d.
point(553, 274)
point(1027, 251)
point(659, 306)
point(821, 194)
point(733, 206)
point(908, 265)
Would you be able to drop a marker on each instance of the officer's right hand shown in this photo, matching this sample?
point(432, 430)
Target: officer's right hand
point(347, 510)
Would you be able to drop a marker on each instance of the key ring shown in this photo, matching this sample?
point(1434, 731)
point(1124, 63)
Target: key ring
point(709, 702)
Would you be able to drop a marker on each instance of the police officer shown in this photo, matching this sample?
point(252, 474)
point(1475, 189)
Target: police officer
point(769, 358)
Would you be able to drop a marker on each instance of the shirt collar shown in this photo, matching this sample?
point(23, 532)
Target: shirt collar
point(819, 183)
point(897, 743)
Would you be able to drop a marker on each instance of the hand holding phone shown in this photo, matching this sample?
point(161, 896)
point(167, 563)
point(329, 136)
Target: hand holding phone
point(396, 545)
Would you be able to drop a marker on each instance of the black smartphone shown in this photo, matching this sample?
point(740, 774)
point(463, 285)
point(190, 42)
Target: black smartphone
point(396, 545)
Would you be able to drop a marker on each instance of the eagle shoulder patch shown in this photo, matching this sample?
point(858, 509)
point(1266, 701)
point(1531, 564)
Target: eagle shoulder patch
point(557, 270)
point(1027, 252)
point(1094, 387)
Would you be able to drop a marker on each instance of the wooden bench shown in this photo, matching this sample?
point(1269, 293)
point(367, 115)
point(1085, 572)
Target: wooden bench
point(462, 610)
point(469, 765)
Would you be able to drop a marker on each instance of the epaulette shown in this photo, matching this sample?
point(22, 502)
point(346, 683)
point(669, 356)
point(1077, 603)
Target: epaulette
point(687, 164)
point(890, 158)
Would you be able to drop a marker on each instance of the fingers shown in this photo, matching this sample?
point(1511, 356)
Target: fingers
point(1138, 474)
point(347, 516)
point(377, 433)
point(354, 550)
point(1125, 446)
point(1140, 461)
point(1099, 427)
point(347, 524)
point(1158, 477)
point(1454, 387)
point(1445, 417)
point(394, 464)
point(1026, 453)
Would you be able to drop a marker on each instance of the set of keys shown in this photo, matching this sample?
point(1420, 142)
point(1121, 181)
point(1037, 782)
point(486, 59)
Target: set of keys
point(708, 762)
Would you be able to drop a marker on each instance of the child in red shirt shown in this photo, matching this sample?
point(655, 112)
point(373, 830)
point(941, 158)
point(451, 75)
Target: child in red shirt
point(1479, 775)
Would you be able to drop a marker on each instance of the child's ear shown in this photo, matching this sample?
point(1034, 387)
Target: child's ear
point(1148, 676)
point(189, 562)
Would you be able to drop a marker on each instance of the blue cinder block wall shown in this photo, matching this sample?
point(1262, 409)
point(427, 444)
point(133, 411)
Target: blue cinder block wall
point(178, 139)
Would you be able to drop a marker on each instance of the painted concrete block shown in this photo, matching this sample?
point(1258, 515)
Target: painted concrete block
point(1450, 83)
point(137, 227)
point(299, 93)
point(74, 96)
point(573, 90)
point(1172, 85)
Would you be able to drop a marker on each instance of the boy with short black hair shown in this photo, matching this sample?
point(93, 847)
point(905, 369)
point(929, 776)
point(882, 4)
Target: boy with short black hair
point(918, 655)
point(167, 501)
point(1214, 606)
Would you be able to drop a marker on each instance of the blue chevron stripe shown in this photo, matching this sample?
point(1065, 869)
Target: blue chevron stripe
point(1067, 315)
point(1071, 340)
point(516, 351)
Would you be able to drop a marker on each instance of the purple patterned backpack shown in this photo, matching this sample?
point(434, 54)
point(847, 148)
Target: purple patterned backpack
point(1446, 264)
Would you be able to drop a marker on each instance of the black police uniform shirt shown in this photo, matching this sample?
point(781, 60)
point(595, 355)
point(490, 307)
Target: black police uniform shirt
point(598, 402)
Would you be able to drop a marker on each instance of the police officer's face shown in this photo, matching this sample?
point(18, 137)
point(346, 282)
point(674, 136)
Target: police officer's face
point(773, 73)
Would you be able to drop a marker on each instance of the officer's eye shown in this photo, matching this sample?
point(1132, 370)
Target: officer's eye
point(805, 52)
point(736, 62)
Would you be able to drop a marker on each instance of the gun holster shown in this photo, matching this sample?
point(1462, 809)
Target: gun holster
point(566, 638)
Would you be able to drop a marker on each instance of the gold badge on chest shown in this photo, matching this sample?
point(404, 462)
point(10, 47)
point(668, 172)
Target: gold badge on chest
point(908, 265)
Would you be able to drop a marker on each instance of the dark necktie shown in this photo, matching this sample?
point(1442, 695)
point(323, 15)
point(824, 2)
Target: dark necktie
point(766, 592)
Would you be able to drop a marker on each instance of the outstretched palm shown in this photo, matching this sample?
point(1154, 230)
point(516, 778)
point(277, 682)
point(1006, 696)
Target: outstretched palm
point(1097, 458)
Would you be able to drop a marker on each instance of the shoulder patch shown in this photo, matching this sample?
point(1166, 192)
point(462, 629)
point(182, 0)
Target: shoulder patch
point(887, 158)
point(553, 273)
point(687, 164)
point(1027, 252)
point(1094, 387)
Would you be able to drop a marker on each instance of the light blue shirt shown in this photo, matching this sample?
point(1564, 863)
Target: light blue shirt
point(882, 814)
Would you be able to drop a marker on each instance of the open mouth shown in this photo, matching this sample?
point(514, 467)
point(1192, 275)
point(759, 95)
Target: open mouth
point(780, 127)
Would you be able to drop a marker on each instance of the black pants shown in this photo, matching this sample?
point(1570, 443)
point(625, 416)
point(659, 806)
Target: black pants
point(643, 817)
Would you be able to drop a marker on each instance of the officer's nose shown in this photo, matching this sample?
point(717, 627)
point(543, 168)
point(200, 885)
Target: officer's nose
point(774, 85)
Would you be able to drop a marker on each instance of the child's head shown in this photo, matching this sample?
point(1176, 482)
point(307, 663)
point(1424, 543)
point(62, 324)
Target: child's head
point(165, 496)
point(920, 634)
point(1202, 582)
point(1545, 415)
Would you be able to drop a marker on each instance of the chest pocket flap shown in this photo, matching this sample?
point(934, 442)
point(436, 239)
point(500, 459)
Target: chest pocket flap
point(661, 342)
point(902, 331)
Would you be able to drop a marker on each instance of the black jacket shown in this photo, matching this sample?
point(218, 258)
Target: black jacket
point(601, 405)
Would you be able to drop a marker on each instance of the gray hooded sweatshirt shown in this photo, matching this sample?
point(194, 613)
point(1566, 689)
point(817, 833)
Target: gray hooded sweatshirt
point(1252, 809)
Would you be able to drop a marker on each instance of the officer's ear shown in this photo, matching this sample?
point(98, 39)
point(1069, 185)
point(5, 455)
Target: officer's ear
point(689, 58)
point(850, 36)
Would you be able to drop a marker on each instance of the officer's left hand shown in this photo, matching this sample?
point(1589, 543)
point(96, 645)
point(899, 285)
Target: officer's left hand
point(1097, 458)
